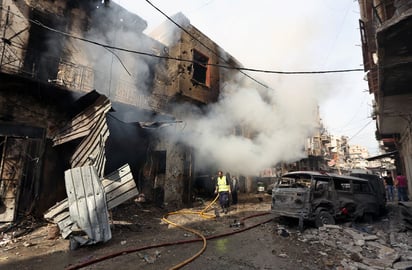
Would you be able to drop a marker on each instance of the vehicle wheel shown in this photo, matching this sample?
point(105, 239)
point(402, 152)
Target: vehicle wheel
point(322, 218)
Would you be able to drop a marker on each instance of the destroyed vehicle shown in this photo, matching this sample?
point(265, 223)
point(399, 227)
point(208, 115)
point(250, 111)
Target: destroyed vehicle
point(323, 198)
point(378, 187)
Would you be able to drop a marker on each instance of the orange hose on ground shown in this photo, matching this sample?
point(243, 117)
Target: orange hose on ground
point(127, 251)
point(201, 214)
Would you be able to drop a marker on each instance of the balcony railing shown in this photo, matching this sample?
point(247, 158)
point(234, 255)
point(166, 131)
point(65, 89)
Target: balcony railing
point(80, 78)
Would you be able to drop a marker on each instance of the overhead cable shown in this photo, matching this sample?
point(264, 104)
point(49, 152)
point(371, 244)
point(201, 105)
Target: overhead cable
point(359, 131)
point(249, 69)
point(201, 43)
point(106, 46)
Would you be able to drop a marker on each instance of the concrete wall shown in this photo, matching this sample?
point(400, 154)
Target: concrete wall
point(172, 182)
point(27, 107)
point(406, 153)
point(178, 76)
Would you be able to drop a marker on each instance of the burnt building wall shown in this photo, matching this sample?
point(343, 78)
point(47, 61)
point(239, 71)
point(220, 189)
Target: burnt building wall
point(198, 81)
point(30, 114)
point(189, 85)
point(44, 47)
point(171, 178)
point(192, 81)
point(56, 57)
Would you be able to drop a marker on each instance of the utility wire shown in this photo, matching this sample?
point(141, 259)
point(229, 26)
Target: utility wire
point(249, 69)
point(359, 131)
point(106, 46)
point(201, 43)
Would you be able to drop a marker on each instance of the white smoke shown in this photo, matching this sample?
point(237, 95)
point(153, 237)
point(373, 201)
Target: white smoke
point(275, 128)
point(272, 123)
point(251, 127)
point(120, 75)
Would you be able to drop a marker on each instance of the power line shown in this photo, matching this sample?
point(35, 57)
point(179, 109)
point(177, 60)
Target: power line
point(201, 43)
point(106, 46)
point(359, 131)
point(248, 69)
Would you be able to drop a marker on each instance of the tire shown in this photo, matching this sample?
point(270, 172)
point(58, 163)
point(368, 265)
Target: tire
point(324, 217)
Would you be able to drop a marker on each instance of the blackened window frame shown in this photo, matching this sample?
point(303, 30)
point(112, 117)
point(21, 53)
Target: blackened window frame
point(200, 68)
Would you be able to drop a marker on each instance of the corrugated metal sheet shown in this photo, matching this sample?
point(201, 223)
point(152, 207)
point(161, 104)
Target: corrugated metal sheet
point(81, 125)
point(91, 150)
point(118, 186)
point(91, 124)
point(89, 197)
point(87, 203)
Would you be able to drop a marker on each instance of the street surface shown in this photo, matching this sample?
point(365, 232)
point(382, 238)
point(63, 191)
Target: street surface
point(271, 244)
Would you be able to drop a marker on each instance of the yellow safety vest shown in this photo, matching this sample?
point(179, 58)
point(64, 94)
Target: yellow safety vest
point(221, 184)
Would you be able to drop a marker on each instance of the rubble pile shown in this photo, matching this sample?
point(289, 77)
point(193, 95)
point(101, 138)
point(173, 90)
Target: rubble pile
point(384, 245)
point(10, 232)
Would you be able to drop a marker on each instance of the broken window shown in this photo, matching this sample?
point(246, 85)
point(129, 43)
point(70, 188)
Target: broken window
point(342, 184)
point(361, 187)
point(321, 184)
point(299, 182)
point(200, 70)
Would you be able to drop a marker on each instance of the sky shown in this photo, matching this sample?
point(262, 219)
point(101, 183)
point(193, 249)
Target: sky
point(289, 36)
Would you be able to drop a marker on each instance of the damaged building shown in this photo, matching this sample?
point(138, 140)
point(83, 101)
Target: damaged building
point(83, 103)
point(385, 29)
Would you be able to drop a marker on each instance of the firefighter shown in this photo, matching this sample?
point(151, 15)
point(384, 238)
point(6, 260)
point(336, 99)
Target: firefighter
point(223, 188)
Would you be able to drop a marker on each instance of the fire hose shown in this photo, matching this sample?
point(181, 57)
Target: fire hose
point(202, 238)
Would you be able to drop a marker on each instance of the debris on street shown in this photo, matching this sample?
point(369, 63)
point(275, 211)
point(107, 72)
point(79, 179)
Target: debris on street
point(367, 246)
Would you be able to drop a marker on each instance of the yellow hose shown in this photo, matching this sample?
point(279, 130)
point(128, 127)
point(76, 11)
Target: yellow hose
point(200, 213)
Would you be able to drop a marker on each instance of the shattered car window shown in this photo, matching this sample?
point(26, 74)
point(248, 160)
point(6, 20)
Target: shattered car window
point(320, 187)
point(361, 187)
point(289, 182)
point(321, 184)
point(342, 184)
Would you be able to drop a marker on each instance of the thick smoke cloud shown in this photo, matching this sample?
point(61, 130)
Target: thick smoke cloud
point(250, 127)
point(276, 126)
point(120, 75)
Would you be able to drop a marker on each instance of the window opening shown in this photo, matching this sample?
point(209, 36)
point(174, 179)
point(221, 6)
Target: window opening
point(200, 70)
point(361, 187)
point(342, 184)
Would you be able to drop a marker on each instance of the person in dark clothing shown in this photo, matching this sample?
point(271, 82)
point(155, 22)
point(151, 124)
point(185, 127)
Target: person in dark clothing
point(235, 188)
point(389, 186)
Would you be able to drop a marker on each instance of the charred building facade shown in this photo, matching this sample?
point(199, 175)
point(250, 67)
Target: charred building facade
point(192, 77)
point(68, 100)
point(83, 86)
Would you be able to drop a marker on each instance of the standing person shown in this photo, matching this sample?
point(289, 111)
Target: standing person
point(389, 186)
point(223, 188)
point(234, 189)
point(401, 185)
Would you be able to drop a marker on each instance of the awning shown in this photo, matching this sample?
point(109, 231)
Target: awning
point(386, 155)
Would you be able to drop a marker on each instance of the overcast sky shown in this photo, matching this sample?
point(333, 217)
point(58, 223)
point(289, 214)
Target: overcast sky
point(294, 35)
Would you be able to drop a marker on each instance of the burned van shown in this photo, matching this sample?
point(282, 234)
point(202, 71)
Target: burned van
point(323, 198)
point(378, 186)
